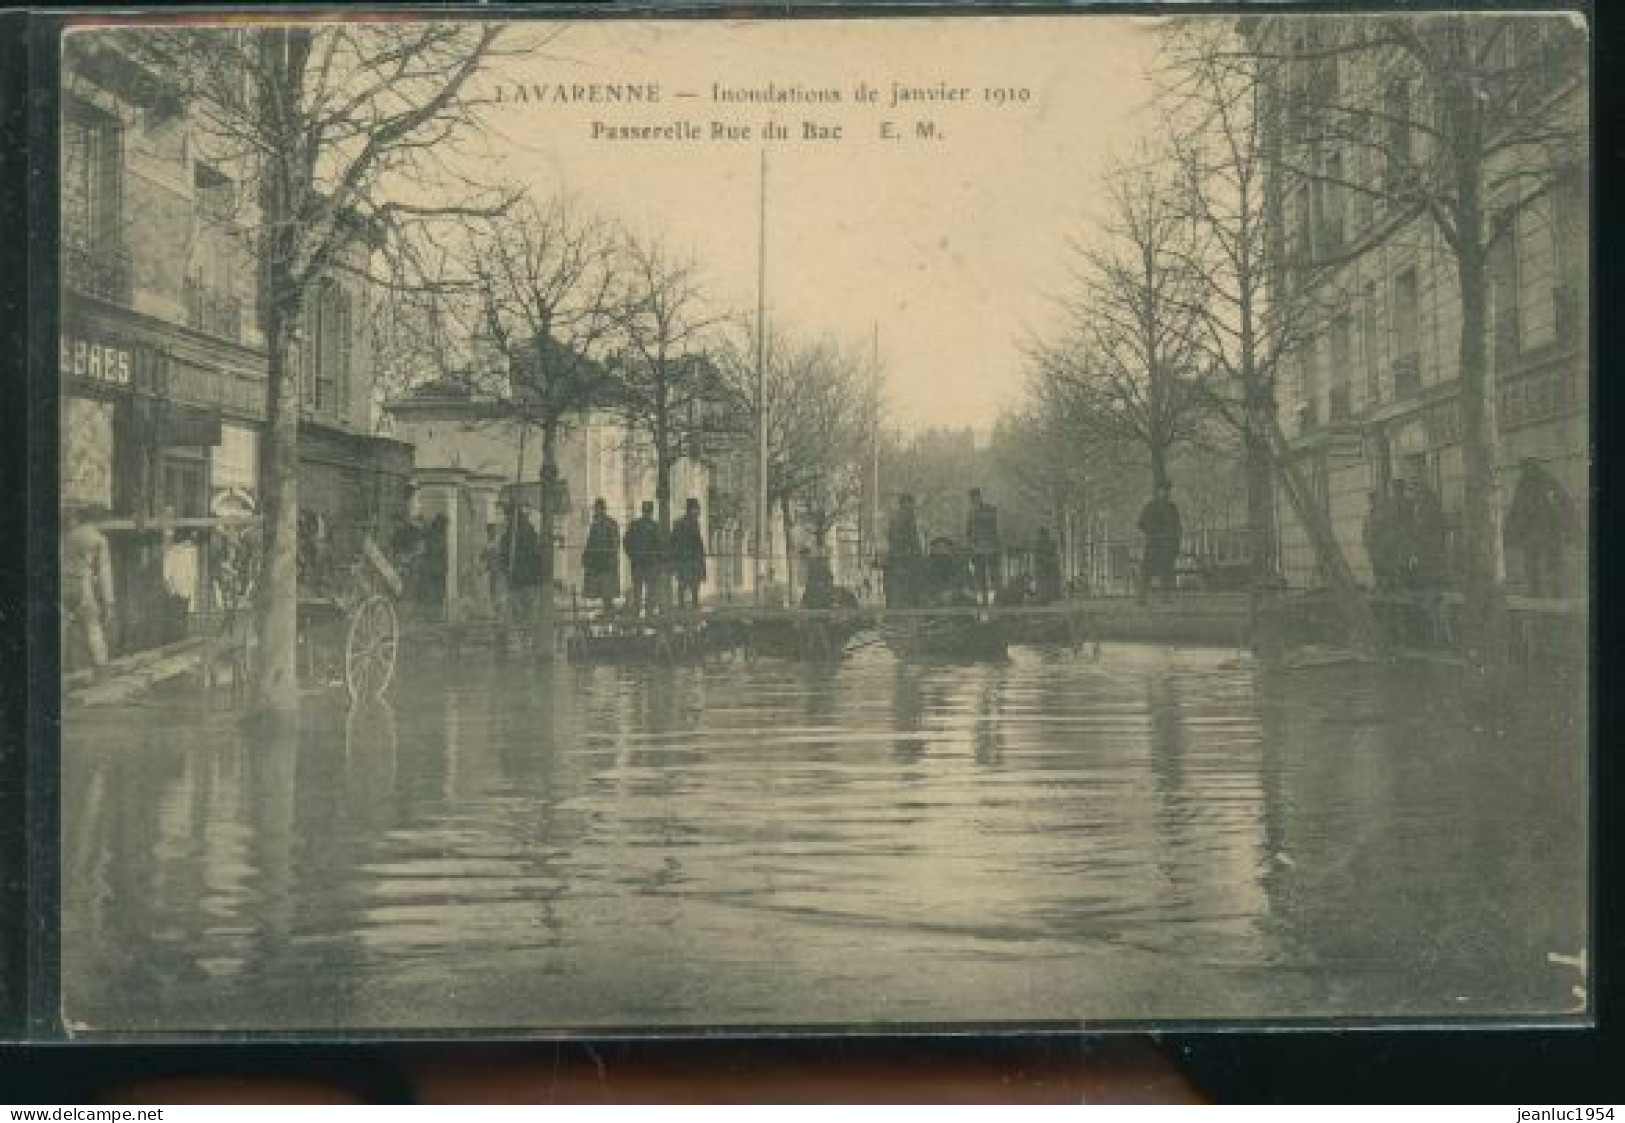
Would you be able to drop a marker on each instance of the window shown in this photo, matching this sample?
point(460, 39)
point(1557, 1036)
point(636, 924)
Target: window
point(1306, 390)
point(1397, 126)
point(1501, 271)
point(1331, 204)
point(1361, 177)
point(327, 350)
point(92, 197)
point(1340, 372)
point(1368, 345)
point(1536, 267)
point(1407, 334)
point(216, 196)
point(184, 492)
point(1571, 253)
point(1303, 249)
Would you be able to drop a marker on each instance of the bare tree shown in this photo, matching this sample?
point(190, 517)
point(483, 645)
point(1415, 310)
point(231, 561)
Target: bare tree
point(1460, 120)
point(339, 127)
point(816, 430)
point(1225, 153)
point(665, 384)
point(1130, 364)
point(543, 289)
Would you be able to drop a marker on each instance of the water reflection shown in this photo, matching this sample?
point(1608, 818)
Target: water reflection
point(1157, 834)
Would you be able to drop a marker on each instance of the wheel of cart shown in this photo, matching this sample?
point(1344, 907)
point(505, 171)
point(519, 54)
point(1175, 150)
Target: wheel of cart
point(352, 636)
point(372, 641)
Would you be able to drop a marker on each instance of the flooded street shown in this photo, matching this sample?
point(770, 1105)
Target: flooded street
point(1161, 833)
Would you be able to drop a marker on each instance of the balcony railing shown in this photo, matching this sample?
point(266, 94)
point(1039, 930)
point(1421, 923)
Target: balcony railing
point(1407, 376)
point(217, 313)
point(99, 271)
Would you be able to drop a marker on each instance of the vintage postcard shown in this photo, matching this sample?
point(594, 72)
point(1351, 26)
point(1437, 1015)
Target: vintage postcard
point(870, 523)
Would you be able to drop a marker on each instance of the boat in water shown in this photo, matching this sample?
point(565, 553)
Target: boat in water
point(947, 638)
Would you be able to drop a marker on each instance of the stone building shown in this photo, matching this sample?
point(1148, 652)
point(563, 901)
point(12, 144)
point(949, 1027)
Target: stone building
point(162, 362)
point(1370, 394)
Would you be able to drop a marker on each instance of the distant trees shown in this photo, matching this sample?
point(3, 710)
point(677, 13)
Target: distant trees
point(815, 397)
point(665, 383)
point(1128, 363)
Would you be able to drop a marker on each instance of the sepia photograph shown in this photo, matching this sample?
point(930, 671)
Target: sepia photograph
point(897, 524)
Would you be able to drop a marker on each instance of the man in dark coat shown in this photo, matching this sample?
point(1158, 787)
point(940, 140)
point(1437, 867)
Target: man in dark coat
point(982, 540)
point(1538, 526)
point(1046, 568)
point(601, 558)
point(521, 556)
point(688, 554)
point(820, 590)
point(1159, 522)
point(901, 578)
point(645, 547)
point(1380, 538)
point(1427, 522)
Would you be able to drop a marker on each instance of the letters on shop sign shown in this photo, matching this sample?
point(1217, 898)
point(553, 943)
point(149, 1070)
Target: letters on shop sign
point(97, 361)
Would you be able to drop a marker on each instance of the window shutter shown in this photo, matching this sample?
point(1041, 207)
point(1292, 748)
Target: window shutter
point(343, 405)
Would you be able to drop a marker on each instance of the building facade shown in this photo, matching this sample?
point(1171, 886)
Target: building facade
point(162, 364)
point(1370, 393)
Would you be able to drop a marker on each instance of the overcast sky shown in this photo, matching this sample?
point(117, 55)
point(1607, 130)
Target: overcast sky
point(953, 246)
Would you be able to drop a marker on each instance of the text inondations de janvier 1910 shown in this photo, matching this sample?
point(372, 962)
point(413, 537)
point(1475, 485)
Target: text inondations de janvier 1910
point(718, 112)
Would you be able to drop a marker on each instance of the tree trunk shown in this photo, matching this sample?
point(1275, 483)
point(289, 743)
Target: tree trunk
point(543, 643)
point(1262, 552)
point(1484, 622)
point(789, 549)
point(663, 467)
point(1159, 464)
point(277, 592)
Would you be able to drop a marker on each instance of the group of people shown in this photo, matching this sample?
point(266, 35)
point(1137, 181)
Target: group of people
point(652, 556)
point(1405, 533)
point(1405, 536)
point(970, 572)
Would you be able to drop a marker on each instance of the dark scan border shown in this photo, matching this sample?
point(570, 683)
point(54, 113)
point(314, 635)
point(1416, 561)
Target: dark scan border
point(1306, 1060)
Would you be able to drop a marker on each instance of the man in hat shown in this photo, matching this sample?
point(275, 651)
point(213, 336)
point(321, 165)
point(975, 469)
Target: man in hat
point(982, 539)
point(520, 553)
point(688, 554)
point(601, 558)
point(645, 549)
point(1538, 526)
point(901, 578)
point(1046, 568)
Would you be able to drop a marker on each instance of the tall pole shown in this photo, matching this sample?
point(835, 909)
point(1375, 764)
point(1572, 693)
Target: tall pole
point(761, 372)
point(874, 448)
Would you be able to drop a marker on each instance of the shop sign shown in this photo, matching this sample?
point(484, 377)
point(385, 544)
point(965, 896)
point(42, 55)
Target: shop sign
point(98, 362)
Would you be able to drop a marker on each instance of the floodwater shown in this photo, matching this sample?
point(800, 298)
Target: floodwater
point(1156, 834)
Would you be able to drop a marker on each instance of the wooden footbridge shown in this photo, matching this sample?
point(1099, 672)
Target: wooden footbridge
point(962, 632)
